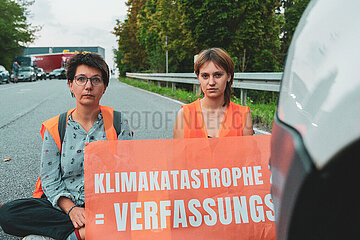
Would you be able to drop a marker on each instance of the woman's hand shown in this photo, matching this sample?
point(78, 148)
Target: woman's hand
point(77, 216)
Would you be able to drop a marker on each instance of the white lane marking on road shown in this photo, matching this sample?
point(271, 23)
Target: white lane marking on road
point(181, 103)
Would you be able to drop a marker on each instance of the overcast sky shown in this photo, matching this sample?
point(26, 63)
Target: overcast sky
point(77, 23)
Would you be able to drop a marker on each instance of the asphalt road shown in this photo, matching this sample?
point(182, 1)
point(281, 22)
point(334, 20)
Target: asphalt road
point(24, 106)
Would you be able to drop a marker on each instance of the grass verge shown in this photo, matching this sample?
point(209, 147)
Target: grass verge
point(262, 114)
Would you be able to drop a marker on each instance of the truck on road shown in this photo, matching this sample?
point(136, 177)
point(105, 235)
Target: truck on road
point(52, 61)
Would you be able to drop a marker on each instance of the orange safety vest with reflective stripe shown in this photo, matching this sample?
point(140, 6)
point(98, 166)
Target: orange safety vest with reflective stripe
point(233, 122)
point(52, 126)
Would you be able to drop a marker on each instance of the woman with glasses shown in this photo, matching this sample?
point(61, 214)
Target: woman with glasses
point(58, 207)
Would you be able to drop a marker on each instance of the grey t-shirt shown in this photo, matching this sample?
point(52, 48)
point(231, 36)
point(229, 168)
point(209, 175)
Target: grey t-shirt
point(62, 175)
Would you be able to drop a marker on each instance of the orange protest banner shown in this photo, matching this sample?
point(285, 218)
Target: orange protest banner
point(202, 188)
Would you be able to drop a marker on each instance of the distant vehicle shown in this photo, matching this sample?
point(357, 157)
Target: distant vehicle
point(26, 74)
point(41, 74)
point(315, 143)
point(52, 61)
point(4, 75)
point(58, 74)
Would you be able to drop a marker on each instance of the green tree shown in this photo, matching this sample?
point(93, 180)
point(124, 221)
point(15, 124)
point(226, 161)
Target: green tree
point(160, 20)
point(150, 35)
point(257, 43)
point(15, 31)
point(211, 22)
point(130, 55)
point(249, 30)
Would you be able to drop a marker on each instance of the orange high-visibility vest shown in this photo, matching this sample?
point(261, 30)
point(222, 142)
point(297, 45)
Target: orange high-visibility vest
point(52, 126)
point(233, 122)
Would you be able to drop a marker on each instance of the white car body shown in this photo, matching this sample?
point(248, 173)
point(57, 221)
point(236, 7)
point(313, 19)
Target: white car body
point(316, 134)
point(323, 79)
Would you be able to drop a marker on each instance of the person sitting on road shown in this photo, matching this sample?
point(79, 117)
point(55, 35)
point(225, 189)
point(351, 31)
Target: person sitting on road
point(60, 212)
point(214, 115)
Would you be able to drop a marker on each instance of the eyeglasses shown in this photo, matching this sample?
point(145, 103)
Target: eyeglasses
point(82, 80)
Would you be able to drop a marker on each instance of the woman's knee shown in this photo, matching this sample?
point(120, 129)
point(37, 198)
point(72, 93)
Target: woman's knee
point(5, 217)
point(13, 213)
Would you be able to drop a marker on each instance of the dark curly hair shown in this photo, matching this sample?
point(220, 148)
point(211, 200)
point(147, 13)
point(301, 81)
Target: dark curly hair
point(89, 59)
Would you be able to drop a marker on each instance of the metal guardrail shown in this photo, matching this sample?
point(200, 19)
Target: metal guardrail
point(244, 81)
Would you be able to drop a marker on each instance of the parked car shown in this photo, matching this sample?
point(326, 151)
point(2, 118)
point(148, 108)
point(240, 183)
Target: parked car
point(41, 74)
point(315, 143)
point(26, 74)
point(59, 73)
point(4, 75)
